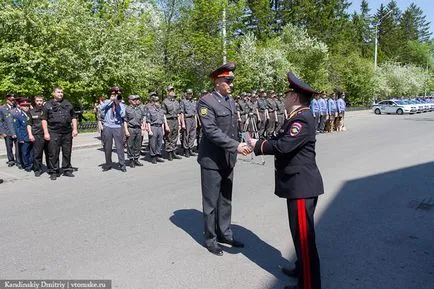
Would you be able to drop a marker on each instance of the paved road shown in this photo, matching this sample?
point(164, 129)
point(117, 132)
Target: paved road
point(143, 229)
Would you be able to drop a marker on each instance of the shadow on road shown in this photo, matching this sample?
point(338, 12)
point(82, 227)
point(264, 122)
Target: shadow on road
point(378, 232)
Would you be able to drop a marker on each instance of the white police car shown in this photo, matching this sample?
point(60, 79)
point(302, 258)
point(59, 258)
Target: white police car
point(394, 106)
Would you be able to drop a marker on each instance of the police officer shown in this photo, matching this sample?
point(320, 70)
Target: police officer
point(332, 111)
point(59, 125)
point(341, 107)
point(298, 180)
point(262, 112)
point(314, 108)
point(134, 123)
point(323, 112)
point(8, 131)
point(272, 115)
point(188, 123)
point(40, 146)
point(172, 110)
point(281, 113)
point(217, 158)
point(113, 113)
point(24, 144)
point(157, 123)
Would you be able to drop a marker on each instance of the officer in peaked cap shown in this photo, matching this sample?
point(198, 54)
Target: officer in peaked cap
point(217, 158)
point(297, 179)
point(172, 110)
point(134, 124)
point(188, 122)
point(157, 124)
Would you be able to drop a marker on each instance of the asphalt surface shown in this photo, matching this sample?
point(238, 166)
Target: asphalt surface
point(143, 229)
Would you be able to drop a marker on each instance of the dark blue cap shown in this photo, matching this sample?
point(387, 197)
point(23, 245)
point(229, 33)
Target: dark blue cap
point(299, 86)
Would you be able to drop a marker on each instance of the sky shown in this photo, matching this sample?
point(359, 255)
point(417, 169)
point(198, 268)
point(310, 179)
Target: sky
point(426, 5)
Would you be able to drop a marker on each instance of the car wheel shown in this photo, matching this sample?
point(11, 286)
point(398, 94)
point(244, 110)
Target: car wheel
point(377, 111)
point(399, 111)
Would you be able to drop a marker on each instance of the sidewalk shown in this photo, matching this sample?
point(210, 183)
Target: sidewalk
point(82, 141)
point(91, 139)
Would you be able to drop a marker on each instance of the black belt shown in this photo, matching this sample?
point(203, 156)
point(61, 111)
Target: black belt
point(243, 113)
point(172, 117)
point(189, 116)
point(134, 126)
point(157, 124)
point(280, 113)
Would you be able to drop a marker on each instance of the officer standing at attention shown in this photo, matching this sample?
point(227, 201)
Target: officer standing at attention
point(272, 115)
point(172, 110)
point(188, 123)
point(314, 108)
point(36, 135)
point(113, 114)
point(8, 130)
point(217, 158)
point(298, 179)
point(134, 123)
point(24, 144)
point(323, 112)
point(156, 121)
point(59, 124)
point(262, 110)
point(281, 113)
point(332, 111)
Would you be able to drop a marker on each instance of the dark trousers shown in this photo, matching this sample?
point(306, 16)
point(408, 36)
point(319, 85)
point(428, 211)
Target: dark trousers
point(271, 125)
point(171, 139)
point(281, 120)
point(261, 124)
point(198, 136)
point(108, 135)
point(40, 146)
point(59, 141)
point(26, 153)
point(322, 122)
point(134, 143)
point(11, 144)
point(217, 204)
point(156, 141)
point(301, 223)
point(189, 133)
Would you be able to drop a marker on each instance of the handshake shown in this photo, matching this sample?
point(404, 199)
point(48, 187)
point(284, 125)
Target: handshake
point(246, 148)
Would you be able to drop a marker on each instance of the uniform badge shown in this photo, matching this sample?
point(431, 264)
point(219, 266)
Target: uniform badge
point(203, 111)
point(295, 129)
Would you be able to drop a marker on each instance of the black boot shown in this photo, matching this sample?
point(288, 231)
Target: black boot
point(192, 153)
point(154, 160)
point(175, 156)
point(187, 153)
point(170, 156)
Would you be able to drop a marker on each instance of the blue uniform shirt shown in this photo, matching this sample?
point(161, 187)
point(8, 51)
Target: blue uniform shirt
point(331, 106)
point(113, 114)
point(314, 107)
point(341, 105)
point(20, 124)
point(322, 106)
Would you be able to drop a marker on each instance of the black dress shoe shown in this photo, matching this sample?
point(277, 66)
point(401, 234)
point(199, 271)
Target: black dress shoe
point(187, 154)
point(160, 160)
point(216, 250)
point(53, 176)
point(68, 174)
point(289, 272)
point(154, 160)
point(132, 164)
point(106, 168)
point(175, 156)
point(123, 169)
point(38, 173)
point(193, 153)
point(11, 164)
point(137, 163)
point(170, 156)
point(233, 243)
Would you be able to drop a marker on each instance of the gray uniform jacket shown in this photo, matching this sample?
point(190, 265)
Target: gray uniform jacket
point(171, 108)
point(134, 116)
point(155, 115)
point(188, 107)
point(7, 120)
point(218, 147)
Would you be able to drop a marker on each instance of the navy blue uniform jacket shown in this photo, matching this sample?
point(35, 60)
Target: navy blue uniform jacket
point(296, 173)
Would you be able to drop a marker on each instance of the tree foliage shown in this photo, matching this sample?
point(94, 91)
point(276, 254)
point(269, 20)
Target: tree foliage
point(87, 46)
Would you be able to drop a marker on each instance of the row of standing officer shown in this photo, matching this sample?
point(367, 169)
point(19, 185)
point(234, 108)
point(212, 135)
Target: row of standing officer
point(161, 120)
point(261, 113)
point(328, 111)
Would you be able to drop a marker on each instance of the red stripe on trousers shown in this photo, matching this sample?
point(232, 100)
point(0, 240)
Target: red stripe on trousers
point(305, 259)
